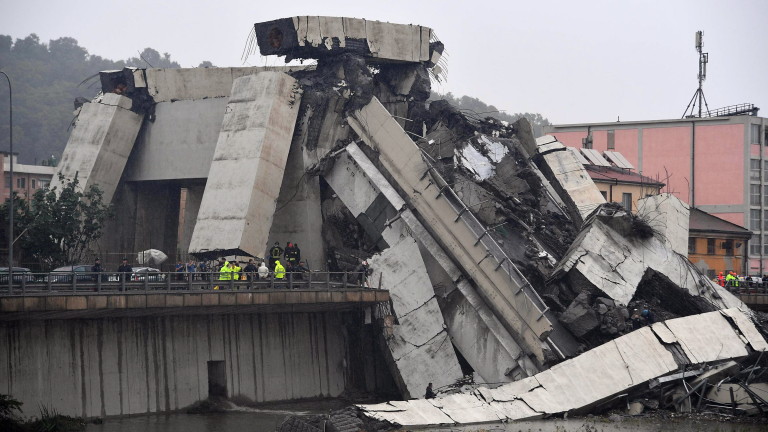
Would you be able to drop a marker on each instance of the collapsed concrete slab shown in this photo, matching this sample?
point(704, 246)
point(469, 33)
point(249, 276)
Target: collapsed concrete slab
point(669, 218)
point(624, 364)
point(100, 144)
point(568, 176)
point(505, 290)
point(615, 250)
point(419, 344)
point(247, 170)
point(475, 331)
point(318, 36)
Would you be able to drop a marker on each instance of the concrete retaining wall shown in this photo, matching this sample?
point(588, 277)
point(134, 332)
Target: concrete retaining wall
point(104, 367)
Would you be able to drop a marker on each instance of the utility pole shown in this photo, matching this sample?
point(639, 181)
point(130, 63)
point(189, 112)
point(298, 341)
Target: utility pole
point(10, 199)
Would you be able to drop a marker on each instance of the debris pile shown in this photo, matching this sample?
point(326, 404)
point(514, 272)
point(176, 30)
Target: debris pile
point(503, 260)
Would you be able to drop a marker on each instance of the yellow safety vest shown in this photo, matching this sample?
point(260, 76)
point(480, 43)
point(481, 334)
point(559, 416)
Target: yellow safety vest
point(236, 273)
point(226, 272)
point(279, 271)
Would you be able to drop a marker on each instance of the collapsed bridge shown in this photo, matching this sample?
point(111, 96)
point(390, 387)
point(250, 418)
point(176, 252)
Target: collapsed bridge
point(501, 257)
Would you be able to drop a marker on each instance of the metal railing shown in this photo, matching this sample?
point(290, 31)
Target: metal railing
point(57, 283)
point(731, 110)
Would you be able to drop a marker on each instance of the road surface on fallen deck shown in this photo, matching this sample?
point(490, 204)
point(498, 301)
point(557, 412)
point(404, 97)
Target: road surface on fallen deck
point(267, 420)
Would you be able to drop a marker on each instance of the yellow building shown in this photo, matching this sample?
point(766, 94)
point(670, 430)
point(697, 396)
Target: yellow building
point(716, 245)
point(622, 185)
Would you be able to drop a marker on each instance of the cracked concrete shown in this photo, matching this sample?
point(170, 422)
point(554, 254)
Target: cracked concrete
point(572, 386)
point(613, 260)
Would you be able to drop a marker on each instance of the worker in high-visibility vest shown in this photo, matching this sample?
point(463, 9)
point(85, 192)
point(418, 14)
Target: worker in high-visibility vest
point(225, 273)
point(236, 271)
point(279, 270)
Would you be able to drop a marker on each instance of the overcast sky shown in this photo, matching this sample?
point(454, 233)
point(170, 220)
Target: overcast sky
point(571, 61)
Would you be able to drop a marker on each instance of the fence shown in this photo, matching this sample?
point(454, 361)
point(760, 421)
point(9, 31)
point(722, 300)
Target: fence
point(106, 282)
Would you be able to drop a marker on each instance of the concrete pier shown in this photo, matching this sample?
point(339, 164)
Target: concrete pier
point(244, 181)
point(101, 141)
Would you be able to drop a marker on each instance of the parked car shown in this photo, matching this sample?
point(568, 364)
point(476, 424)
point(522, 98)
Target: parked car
point(754, 281)
point(19, 274)
point(64, 274)
point(148, 273)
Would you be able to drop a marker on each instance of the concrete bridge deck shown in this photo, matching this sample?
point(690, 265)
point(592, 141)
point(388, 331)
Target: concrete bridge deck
point(170, 295)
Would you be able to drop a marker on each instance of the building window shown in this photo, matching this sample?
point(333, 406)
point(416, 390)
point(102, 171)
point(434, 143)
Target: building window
point(43, 183)
point(754, 195)
point(611, 140)
point(754, 169)
point(604, 194)
point(691, 245)
point(728, 246)
point(765, 221)
point(710, 246)
point(754, 220)
point(626, 201)
point(755, 133)
point(21, 182)
point(32, 183)
point(754, 247)
point(711, 273)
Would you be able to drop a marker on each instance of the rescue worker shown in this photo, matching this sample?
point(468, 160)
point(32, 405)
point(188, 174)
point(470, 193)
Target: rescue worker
point(721, 279)
point(279, 271)
point(291, 255)
point(275, 254)
point(236, 270)
point(225, 273)
point(731, 280)
point(648, 316)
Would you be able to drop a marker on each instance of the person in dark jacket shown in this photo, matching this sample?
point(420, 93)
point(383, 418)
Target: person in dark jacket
point(251, 270)
point(124, 270)
point(96, 269)
point(275, 254)
point(429, 394)
point(291, 255)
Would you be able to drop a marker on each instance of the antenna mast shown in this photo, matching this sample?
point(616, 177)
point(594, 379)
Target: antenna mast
point(699, 93)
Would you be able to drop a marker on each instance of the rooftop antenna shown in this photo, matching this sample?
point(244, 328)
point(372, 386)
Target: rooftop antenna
point(699, 93)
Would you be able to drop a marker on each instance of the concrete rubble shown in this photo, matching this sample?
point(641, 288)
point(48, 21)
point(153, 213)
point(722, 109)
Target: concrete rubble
point(504, 262)
point(625, 364)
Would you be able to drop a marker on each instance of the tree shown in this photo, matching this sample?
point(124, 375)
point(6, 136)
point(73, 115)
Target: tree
point(474, 107)
point(57, 227)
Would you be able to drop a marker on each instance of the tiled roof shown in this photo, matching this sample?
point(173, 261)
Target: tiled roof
point(703, 221)
point(611, 174)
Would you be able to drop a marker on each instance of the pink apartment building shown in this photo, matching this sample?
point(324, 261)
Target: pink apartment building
point(716, 164)
point(27, 179)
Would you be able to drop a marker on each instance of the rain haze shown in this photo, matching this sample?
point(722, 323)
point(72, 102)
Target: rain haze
point(573, 62)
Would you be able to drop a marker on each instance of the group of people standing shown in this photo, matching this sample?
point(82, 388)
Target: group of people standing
point(291, 260)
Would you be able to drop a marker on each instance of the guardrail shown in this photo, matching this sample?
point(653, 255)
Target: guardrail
point(106, 282)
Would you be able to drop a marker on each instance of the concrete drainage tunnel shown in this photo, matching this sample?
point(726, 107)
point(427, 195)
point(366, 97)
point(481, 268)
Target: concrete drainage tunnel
point(514, 285)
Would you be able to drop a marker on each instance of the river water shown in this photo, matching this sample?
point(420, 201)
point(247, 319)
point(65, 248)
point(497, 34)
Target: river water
point(267, 420)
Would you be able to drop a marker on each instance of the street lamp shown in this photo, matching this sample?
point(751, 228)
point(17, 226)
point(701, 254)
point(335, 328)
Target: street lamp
point(10, 200)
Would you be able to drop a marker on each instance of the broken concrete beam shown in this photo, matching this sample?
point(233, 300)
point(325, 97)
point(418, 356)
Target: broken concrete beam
point(170, 85)
point(100, 143)
point(244, 181)
point(598, 375)
point(609, 256)
point(320, 36)
point(420, 346)
point(568, 176)
point(473, 328)
point(669, 217)
point(500, 284)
